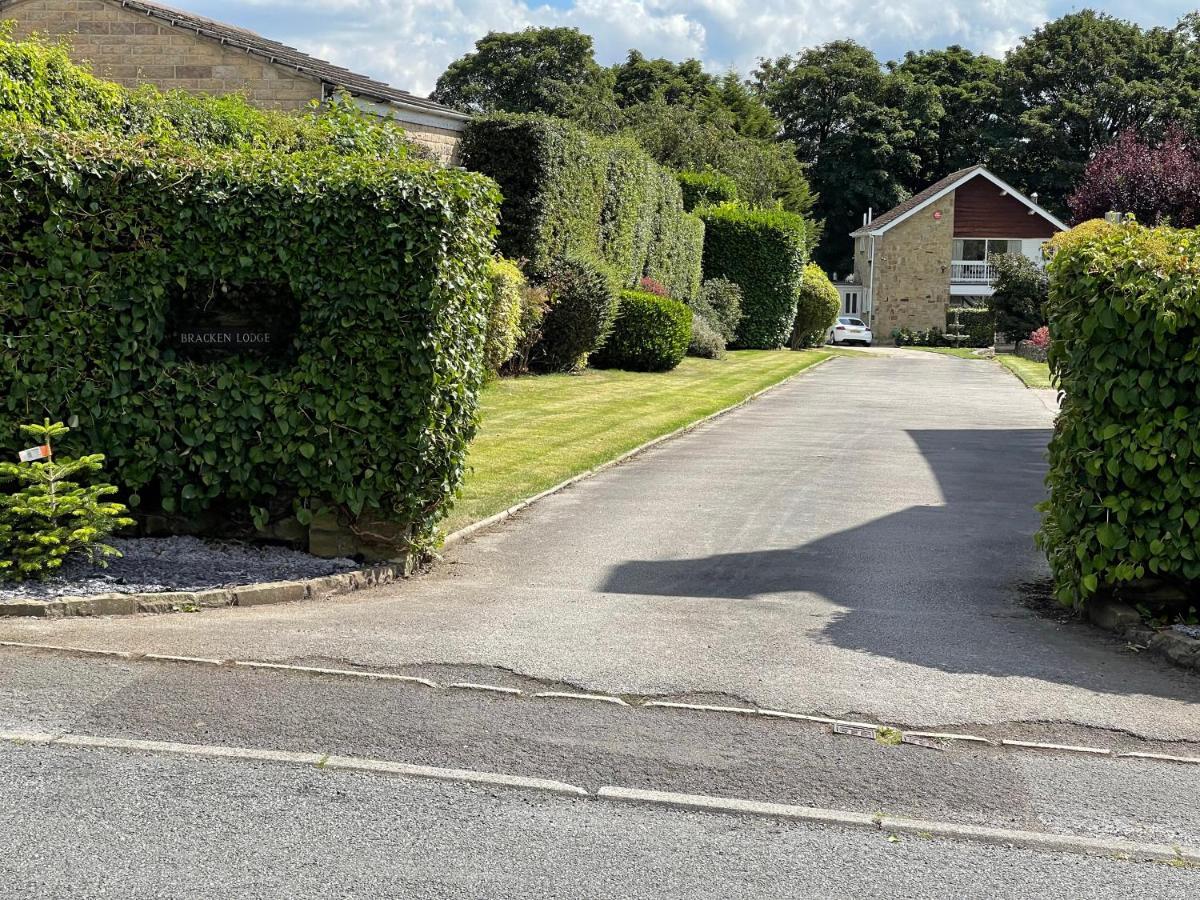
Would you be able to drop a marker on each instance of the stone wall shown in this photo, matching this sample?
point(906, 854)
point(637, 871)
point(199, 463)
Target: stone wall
point(912, 272)
point(132, 48)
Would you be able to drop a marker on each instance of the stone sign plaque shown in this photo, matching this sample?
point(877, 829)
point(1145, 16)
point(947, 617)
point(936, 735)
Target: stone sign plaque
point(212, 322)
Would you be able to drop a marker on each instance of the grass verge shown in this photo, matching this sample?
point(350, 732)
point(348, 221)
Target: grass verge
point(1034, 374)
point(536, 432)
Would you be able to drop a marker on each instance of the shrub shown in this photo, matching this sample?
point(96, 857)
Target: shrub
point(650, 286)
point(1124, 478)
point(568, 192)
point(908, 337)
point(976, 323)
point(535, 303)
point(582, 307)
point(52, 516)
point(817, 306)
point(374, 270)
point(1019, 300)
point(720, 305)
point(1155, 182)
point(706, 342)
point(1040, 337)
point(706, 189)
point(650, 334)
point(763, 252)
point(505, 283)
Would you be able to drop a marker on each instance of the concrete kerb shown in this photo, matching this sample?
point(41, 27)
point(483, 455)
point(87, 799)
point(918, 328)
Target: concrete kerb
point(1126, 622)
point(467, 531)
point(261, 594)
point(891, 825)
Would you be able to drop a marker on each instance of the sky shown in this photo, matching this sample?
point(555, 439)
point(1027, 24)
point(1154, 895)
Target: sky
point(408, 43)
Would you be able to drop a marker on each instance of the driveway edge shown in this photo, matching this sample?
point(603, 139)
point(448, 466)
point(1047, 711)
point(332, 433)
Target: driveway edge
point(467, 531)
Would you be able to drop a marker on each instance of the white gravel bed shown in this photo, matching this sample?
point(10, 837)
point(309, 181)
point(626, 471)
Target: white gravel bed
point(151, 565)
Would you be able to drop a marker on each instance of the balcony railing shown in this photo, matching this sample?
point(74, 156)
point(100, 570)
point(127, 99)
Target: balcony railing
point(971, 272)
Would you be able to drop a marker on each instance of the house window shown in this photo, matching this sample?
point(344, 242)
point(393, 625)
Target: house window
point(850, 302)
point(983, 249)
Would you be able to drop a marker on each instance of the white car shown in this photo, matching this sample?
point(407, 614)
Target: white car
point(850, 330)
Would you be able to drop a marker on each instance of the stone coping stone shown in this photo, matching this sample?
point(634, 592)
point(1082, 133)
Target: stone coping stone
point(1124, 620)
point(260, 594)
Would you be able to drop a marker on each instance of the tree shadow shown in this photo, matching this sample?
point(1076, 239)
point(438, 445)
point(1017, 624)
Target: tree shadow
point(936, 586)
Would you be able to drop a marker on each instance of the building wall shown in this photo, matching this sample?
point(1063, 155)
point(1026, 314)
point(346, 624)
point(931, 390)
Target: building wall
point(912, 271)
point(132, 48)
point(982, 211)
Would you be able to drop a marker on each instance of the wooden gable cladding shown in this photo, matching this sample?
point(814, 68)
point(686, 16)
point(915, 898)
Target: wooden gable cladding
point(981, 210)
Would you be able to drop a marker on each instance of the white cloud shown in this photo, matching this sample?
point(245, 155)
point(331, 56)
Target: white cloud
point(409, 42)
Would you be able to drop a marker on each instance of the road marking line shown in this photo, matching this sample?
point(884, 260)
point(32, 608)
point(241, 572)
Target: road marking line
point(353, 673)
point(1034, 840)
point(823, 720)
point(203, 660)
point(1063, 748)
point(494, 688)
point(58, 648)
point(567, 695)
point(388, 767)
point(948, 736)
point(1043, 841)
point(702, 707)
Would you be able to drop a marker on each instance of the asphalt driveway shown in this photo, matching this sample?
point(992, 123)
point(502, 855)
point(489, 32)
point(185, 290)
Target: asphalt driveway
point(856, 541)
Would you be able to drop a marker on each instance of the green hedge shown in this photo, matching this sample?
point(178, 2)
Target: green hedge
point(706, 189)
point(817, 306)
point(568, 192)
point(1124, 478)
point(763, 252)
point(380, 265)
point(582, 306)
point(978, 324)
point(40, 85)
point(651, 334)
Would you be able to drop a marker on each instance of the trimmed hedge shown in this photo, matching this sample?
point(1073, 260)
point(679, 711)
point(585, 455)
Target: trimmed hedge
point(568, 192)
point(706, 189)
point(583, 304)
point(817, 306)
point(650, 334)
point(379, 265)
point(505, 285)
point(978, 324)
point(1124, 478)
point(763, 252)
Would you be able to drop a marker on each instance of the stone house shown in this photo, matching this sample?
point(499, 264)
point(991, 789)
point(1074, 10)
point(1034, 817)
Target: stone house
point(933, 251)
point(133, 42)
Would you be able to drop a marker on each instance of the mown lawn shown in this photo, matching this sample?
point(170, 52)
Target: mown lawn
point(1034, 374)
point(536, 432)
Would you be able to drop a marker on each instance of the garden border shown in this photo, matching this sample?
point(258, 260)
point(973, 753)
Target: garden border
point(271, 592)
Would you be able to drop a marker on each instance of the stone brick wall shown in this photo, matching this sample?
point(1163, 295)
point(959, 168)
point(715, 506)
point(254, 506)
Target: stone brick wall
point(132, 48)
point(912, 272)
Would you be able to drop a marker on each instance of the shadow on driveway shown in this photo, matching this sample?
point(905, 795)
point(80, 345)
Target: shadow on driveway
point(931, 585)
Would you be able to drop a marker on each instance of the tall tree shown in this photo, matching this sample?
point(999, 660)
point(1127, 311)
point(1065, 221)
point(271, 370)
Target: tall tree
point(959, 124)
point(1071, 87)
point(848, 124)
point(548, 70)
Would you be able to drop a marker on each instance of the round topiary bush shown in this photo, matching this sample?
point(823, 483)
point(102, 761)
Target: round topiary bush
point(651, 334)
point(582, 307)
point(720, 303)
point(817, 307)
